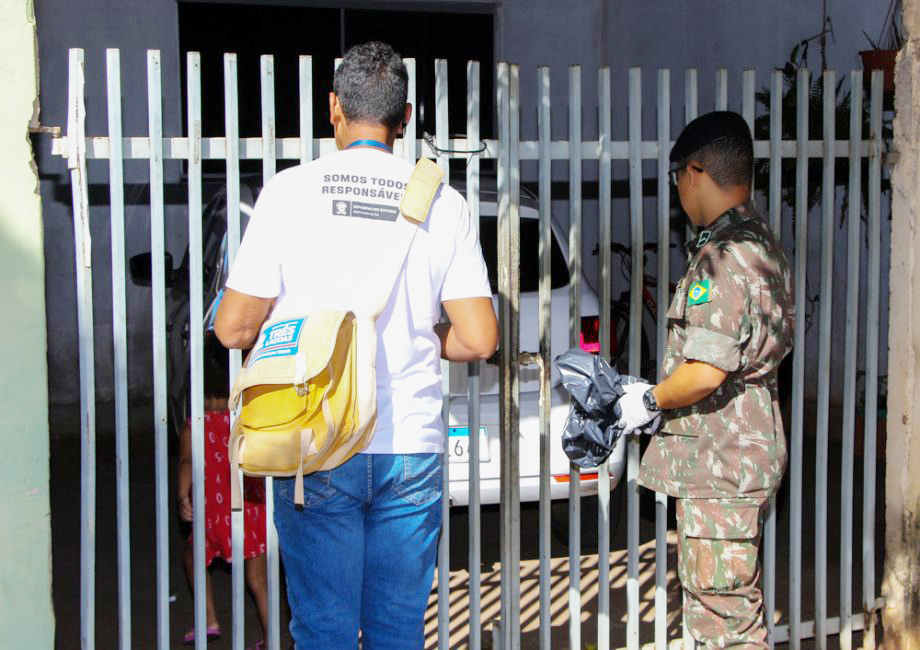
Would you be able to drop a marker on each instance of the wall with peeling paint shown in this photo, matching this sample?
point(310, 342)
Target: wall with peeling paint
point(26, 616)
point(901, 583)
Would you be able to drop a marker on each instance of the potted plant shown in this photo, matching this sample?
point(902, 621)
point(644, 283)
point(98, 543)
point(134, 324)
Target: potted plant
point(815, 104)
point(885, 48)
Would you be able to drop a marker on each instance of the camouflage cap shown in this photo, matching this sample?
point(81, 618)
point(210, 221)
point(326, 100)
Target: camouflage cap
point(708, 128)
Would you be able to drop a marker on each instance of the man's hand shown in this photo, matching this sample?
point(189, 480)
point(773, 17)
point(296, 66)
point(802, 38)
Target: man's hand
point(634, 415)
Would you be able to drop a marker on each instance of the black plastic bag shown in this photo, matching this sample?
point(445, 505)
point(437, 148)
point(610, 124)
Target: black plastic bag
point(591, 431)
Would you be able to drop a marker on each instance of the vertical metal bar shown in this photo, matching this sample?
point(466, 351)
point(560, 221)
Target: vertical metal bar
point(506, 357)
point(271, 534)
point(747, 105)
point(158, 282)
point(575, 267)
point(473, 383)
point(232, 130)
point(776, 156)
point(769, 570)
point(305, 69)
point(722, 89)
point(604, 224)
point(76, 135)
point(872, 333)
point(267, 64)
point(120, 345)
point(442, 128)
point(691, 94)
point(663, 296)
point(854, 193)
point(824, 358)
point(544, 331)
point(635, 349)
point(509, 238)
point(748, 79)
point(442, 136)
point(409, 142)
point(511, 455)
point(196, 339)
point(691, 108)
point(769, 533)
point(798, 363)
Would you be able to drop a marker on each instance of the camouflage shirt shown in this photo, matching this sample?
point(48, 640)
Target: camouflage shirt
point(733, 309)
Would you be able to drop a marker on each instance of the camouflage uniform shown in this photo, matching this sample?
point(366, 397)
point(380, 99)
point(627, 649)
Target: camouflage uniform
point(724, 456)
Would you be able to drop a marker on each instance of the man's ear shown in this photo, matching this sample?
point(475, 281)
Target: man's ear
point(335, 109)
point(693, 174)
point(407, 114)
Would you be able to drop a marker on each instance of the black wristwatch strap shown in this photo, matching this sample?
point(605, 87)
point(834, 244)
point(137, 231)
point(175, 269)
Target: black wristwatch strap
point(648, 399)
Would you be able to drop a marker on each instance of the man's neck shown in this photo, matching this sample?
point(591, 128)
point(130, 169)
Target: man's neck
point(722, 203)
point(364, 135)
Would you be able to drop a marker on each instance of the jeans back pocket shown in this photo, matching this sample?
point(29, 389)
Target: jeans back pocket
point(421, 478)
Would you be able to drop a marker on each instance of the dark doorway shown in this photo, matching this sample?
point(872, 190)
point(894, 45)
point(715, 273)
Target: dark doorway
point(325, 33)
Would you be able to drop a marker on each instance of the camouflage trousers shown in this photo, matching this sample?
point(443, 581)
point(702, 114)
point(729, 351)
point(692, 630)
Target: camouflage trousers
point(718, 567)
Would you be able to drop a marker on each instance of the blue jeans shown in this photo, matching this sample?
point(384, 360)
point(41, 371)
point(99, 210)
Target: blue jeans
point(361, 553)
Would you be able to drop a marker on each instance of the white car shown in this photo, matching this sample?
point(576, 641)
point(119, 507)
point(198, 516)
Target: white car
point(458, 435)
point(215, 270)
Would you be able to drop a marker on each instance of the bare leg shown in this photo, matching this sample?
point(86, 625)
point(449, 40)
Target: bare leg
point(256, 578)
point(189, 560)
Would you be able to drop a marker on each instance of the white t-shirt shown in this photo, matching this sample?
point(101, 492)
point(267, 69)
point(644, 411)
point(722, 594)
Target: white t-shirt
point(321, 235)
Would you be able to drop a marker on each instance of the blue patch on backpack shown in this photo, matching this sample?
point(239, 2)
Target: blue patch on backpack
point(279, 340)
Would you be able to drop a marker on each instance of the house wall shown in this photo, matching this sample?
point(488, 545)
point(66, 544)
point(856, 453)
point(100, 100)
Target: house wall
point(901, 581)
point(26, 616)
point(705, 34)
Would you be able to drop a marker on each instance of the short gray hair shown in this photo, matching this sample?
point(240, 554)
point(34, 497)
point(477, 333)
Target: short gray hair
point(371, 83)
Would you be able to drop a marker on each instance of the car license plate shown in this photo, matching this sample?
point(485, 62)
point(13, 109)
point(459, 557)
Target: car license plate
point(458, 444)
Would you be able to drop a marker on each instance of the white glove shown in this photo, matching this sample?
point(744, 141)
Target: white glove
point(633, 414)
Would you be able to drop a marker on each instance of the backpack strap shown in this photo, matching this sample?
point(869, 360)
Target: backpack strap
point(306, 438)
point(236, 490)
point(415, 205)
point(423, 185)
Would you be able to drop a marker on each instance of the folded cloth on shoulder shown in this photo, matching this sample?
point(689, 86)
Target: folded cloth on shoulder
point(591, 431)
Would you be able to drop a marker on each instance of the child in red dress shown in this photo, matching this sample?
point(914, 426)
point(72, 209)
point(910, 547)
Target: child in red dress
point(217, 495)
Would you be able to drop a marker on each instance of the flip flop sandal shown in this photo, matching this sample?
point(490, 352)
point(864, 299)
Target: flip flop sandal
point(213, 633)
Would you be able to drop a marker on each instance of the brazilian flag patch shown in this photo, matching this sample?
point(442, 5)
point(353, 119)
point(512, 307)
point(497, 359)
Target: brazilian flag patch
point(699, 293)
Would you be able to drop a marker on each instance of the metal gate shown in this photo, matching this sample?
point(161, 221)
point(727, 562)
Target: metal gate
point(784, 609)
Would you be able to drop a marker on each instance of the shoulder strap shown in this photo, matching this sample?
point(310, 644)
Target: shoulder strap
point(415, 205)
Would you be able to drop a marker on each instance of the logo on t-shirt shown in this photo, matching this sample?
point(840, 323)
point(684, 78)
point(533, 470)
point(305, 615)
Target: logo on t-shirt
point(279, 340)
point(364, 210)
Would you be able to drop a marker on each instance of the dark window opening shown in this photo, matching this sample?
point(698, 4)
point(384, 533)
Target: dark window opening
point(530, 262)
point(324, 33)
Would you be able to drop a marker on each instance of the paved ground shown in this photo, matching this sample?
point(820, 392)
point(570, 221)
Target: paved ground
point(65, 467)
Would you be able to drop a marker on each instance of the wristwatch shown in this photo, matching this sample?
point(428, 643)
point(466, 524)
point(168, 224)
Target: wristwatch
point(649, 401)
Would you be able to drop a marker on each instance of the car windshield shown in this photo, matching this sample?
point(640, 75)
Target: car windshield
point(530, 260)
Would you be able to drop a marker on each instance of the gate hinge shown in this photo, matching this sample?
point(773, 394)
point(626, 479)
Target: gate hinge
point(530, 359)
point(53, 131)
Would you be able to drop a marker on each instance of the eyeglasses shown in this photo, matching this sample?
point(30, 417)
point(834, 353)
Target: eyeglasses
point(673, 173)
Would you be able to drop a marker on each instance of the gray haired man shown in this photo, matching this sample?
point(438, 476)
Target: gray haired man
point(359, 556)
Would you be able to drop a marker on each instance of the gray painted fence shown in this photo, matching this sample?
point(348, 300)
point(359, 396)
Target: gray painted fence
point(508, 150)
